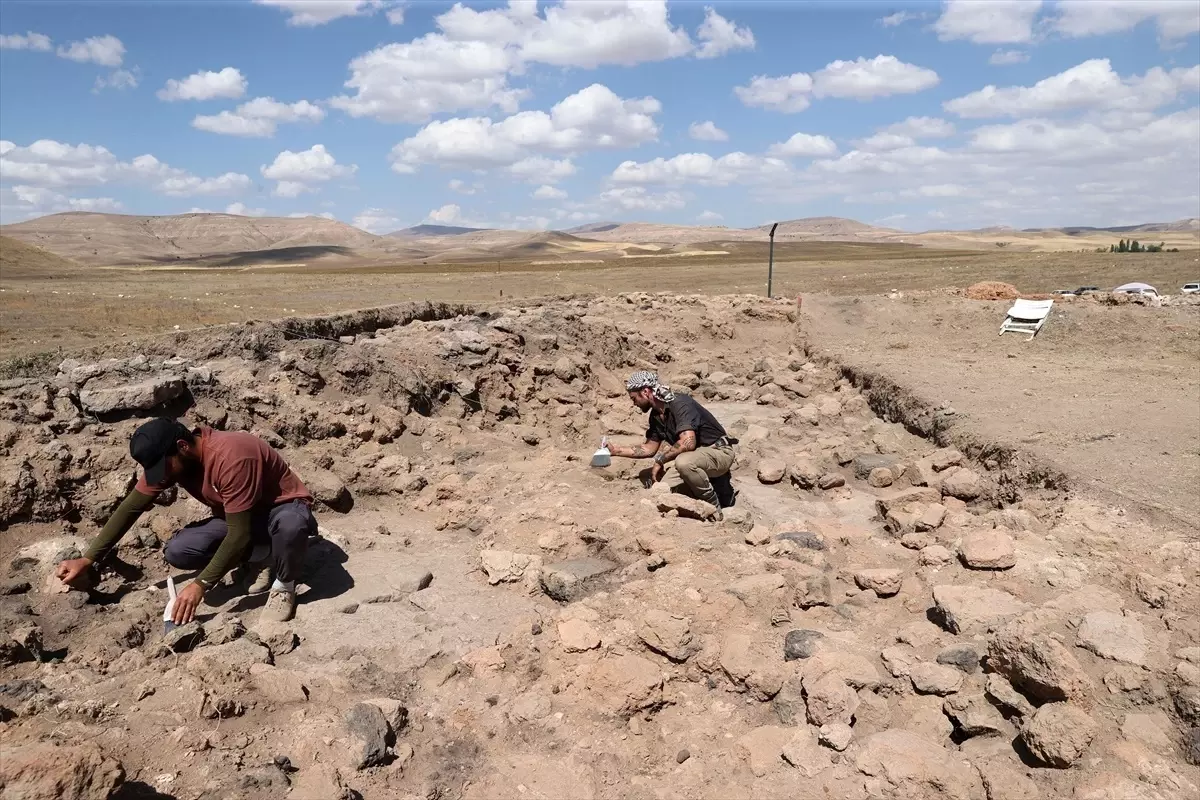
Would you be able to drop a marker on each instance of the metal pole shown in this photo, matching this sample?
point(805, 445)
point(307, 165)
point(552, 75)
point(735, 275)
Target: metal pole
point(771, 261)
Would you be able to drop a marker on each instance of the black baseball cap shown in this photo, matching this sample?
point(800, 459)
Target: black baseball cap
point(153, 442)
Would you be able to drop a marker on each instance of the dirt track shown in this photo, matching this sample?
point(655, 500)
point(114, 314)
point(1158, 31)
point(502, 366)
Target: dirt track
point(1112, 394)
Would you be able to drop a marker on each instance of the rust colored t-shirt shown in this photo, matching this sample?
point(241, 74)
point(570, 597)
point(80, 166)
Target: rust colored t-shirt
point(239, 472)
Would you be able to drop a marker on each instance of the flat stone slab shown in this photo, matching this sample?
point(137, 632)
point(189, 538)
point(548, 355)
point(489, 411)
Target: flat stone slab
point(568, 580)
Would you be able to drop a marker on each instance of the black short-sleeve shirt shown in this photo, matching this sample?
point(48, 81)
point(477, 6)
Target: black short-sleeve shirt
point(684, 414)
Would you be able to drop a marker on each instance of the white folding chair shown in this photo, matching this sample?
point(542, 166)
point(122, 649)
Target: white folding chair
point(1026, 316)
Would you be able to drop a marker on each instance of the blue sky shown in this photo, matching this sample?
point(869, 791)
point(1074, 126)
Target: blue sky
point(549, 115)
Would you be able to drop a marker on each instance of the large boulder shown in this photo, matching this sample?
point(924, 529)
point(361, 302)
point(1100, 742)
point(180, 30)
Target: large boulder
point(139, 396)
point(1058, 734)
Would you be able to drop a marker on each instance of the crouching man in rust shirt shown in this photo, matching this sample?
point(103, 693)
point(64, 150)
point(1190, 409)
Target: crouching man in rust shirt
point(262, 514)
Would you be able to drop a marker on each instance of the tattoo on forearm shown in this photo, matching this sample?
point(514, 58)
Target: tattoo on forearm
point(639, 452)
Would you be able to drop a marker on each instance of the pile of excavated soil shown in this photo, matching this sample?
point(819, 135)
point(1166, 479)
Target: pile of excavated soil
point(992, 290)
point(483, 615)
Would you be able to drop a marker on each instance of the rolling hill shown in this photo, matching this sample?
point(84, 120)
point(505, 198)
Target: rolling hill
point(118, 239)
point(18, 259)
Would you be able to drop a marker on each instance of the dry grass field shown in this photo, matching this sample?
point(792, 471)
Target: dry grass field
point(47, 310)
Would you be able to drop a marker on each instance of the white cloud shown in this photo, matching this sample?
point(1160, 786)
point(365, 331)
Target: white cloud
point(922, 128)
point(804, 145)
point(636, 198)
point(462, 187)
point(297, 172)
point(22, 202)
point(1082, 141)
point(988, 21)
point(591, 119)
point(546, 170)
point(467, 62)
point(241, 210)
point(1090, 85)
point(588, 34)
point(207, 85)
point(395, 15)
point(707, 132)
point(545, 192)
point(864, 79)
point(899, 18)
point(451, 214)
point(50, 164)
point(117, 79)
point(376, 220)
point(861, 79)
point(885, 140)
point(310, 13)
point(701, 168)
point(303, 214)
point(258, 117)
point(107, 51)
point(709, 216)
point(1175, 18)
point(719, 36)
point(28, 41)
point(789, 93)
point(1002, 58)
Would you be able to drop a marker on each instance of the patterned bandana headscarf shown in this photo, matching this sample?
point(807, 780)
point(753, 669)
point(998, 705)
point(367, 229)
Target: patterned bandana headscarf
point(648, 380)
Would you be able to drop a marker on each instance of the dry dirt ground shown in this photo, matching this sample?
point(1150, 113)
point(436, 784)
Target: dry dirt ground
point(485, 616)
point(1110, 393)
point(42, 311)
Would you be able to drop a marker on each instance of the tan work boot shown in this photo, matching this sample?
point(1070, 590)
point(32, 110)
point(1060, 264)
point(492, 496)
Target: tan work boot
point(256, 577)
point(280, 607)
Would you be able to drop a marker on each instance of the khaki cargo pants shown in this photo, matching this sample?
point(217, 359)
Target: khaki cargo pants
point(690, 472)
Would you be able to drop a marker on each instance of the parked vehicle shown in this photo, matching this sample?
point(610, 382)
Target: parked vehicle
point(1136, 288)
point(1087, 289)
point(1191, 288)
point(1065, 292)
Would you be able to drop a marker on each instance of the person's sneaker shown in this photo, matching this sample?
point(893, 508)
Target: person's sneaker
point(256, 577)
point(280, 607)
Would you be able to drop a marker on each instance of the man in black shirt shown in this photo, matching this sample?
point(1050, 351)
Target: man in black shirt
point(686, 435)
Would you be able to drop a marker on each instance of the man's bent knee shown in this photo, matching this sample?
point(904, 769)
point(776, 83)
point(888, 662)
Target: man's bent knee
point(183, 554)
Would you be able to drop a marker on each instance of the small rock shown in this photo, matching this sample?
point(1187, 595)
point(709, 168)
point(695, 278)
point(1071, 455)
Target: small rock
point(899, 660)
point(801, 644)
point(577, 636)
point(829, 699)
point(1037, 664)
point(1150, 589)
point(184, 638)
point(279, 638)
point(682, 756)
point(971, 609)
point(1113, 636)
point(945, 458)
point(935, 555)
point(758, 535)
point(974, 715)
point(880, 478)
point(668, 634)
point(932, 517)
point(831, 480)
point(836, 735)
point(763, 748)
point(394, 711)
point(1008, 698)
point(771, 471)
point(8, 588)
point(990, 549)
point(1002, 782)
point(804, 539)
point(965, 484)
point(624, 685)
point(368, 726)
point(570, 580)
point(65, 772)
point(803, 753)
point(278, 685)
point(348, 608)
point(1058, 734)
point(883, 582)
point(503, 566)
point(936, 679)
point(961, 656)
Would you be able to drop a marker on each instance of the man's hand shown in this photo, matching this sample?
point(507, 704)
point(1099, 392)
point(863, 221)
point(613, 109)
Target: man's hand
point(75, 572)
point(657, 471)
point(186, 603)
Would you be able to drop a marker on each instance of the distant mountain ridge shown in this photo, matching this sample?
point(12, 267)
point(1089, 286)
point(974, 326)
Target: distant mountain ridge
point(91, 239)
